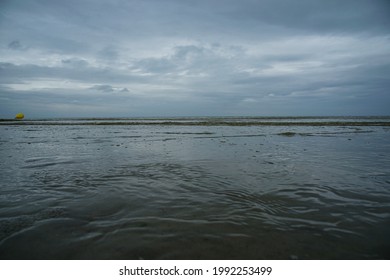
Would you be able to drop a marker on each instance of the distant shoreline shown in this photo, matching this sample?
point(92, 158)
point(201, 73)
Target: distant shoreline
point(199, 122)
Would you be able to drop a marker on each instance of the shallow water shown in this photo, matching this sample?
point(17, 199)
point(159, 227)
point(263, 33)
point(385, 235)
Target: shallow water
point(194, 192)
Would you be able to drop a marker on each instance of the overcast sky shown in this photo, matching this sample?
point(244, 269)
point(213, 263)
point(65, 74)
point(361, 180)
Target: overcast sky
point(129, 58)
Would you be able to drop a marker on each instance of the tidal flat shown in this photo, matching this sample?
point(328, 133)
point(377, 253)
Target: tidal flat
point(195, 188)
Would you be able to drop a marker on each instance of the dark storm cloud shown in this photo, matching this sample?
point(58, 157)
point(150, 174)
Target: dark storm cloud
point(11, 73)
point(332, 16)
point(208, 56)
point(108, 53)
point(104, 88)
point(15, 45)
point(75, 62)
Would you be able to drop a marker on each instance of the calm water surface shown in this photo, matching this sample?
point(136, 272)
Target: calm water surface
point(194, 192)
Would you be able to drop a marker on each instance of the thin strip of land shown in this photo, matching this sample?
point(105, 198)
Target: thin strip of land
point(199, 123)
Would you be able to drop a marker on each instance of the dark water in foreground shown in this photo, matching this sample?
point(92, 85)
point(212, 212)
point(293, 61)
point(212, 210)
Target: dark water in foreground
point(194, 192)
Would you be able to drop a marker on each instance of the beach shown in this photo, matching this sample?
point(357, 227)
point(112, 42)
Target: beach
point(195, 188)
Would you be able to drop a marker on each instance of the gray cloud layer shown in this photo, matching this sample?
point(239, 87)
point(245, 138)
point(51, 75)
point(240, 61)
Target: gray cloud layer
point(172, 57)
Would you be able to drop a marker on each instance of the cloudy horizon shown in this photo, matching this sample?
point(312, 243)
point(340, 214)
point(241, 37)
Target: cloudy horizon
point(144, 58)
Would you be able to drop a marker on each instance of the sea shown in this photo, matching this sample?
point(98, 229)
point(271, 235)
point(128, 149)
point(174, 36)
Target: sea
point(195, 188)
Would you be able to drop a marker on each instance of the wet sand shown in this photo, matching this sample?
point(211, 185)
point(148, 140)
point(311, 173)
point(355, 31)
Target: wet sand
point(159, 191)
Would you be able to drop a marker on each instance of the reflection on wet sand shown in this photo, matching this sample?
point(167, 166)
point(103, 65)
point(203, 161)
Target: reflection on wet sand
point(194, 192)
